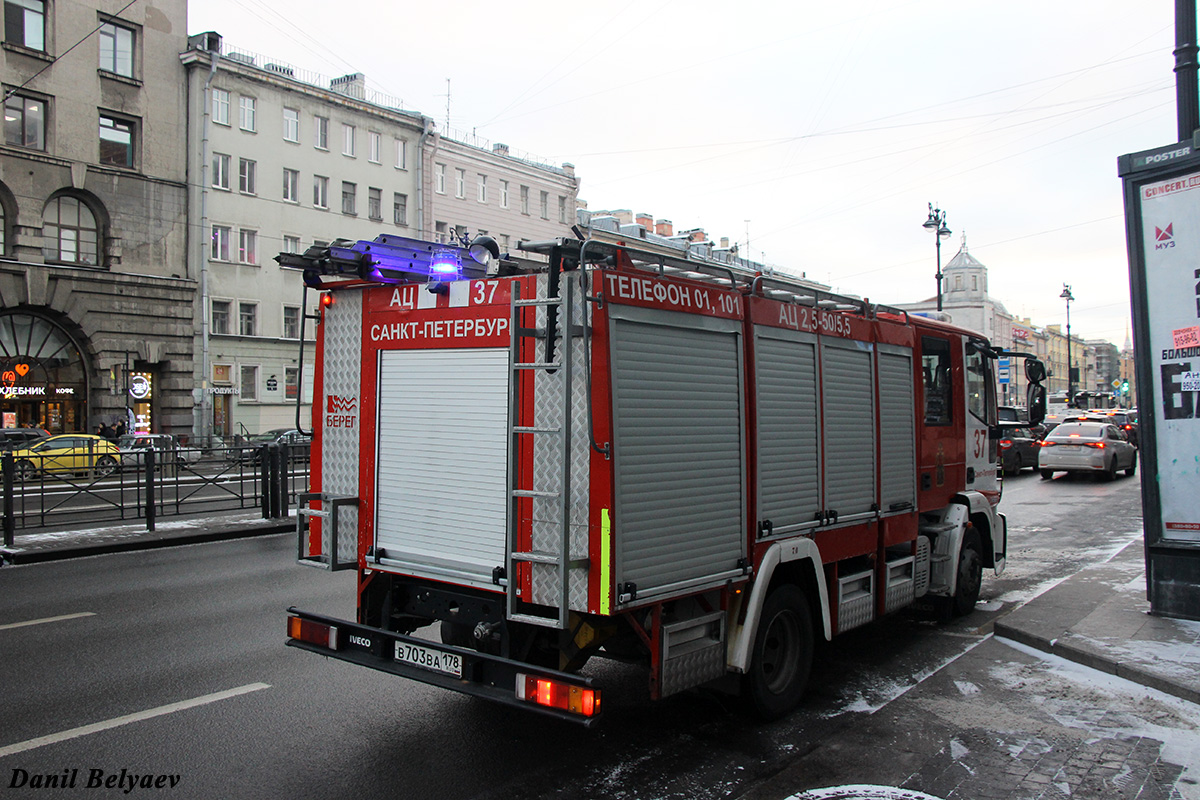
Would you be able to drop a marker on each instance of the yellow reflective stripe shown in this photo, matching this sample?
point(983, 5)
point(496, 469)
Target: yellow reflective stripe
point(605, 562)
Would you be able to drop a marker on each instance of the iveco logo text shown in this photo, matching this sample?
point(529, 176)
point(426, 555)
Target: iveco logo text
point(361, 641)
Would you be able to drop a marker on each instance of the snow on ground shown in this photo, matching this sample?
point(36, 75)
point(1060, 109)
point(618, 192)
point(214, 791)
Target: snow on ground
point(1107, 706)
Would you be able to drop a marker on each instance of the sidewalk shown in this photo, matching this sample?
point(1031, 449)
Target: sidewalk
point(1100, 618)
point(39, 546)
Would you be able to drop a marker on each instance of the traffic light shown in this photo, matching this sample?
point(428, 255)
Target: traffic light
point(1125, 386)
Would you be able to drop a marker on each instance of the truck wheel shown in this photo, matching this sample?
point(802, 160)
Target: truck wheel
point(782, 656)
point(1132, 470)
point(970, 574)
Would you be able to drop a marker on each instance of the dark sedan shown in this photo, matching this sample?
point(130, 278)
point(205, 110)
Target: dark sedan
point(1019, 449)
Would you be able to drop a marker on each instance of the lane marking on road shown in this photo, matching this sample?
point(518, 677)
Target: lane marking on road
point(44, 620)
point(140, 716)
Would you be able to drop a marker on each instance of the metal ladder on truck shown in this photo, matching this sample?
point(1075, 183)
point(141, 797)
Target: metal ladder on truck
point(552, 503)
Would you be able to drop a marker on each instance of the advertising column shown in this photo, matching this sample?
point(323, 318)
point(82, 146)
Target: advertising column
point(1162, 213)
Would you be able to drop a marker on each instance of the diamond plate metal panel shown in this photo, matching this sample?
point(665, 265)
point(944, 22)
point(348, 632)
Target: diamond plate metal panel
point(549, 408)
point(340, 456)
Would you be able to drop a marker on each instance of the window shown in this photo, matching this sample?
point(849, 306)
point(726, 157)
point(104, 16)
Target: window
point(291, 322)
point(483, 188)
point(545, 205)
point(349, 191)
point(116, 49)
point(958, 281)
point(460, 183)
point(25, 122)
point(974, 283)
point(249, 383)
point(320, 191)
point(935, 363)
point(291, 381)
point(25, 23)
point(979, 384)
point(524, 199)
point(401, 154)
point(291, 125)
point(375, 203)
point(248, 319)
point(220, 316)
point(220, 106)
point(439, 232)
point(321, 133)
point(439, 174)
point(221, 235)
point(504, 194)
point(373, 140)
point(291, 185)
point(400, 209)
point(247, 174)
point(347, 140)
point(248, 247)
point(70, 232)
point(220, 170)
point(562, 209)
point(246, 108)
point(504, 243)
point(291, 244)
point(116, 142)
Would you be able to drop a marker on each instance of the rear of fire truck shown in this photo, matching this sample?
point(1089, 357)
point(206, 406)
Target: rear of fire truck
point(630, 454)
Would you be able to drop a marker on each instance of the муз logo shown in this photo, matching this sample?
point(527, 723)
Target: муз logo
point(1164, 237)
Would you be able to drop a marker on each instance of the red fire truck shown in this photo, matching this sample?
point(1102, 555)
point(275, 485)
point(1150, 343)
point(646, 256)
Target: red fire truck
point(634, 453)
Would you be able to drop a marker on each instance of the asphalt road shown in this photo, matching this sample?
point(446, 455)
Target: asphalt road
point(171, 664)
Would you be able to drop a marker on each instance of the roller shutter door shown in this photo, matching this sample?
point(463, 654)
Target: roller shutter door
point(678, 451)
point(897, 430)
point(789, 425)
point(441, 477)
point(849, 390)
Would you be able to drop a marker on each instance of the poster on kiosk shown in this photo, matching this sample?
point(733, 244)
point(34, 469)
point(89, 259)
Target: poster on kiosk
point(1162, 217)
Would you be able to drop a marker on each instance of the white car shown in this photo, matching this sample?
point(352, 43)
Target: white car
point(132, 445)
point(1096, 447)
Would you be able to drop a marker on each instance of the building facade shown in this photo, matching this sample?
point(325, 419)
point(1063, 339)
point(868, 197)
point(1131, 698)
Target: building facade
point(283, 160)
point(96, 294)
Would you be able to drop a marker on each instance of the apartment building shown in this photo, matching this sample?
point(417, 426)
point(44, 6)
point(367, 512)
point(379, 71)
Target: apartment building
point(282, 160)
point(96, 294)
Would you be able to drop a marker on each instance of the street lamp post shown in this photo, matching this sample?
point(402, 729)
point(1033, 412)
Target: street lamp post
point(1066, 295)
point(936, 224)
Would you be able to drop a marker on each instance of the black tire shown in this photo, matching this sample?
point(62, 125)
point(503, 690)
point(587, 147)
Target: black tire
point(970, 574)
point(781, 659)
point(1132, 469)
point(1110, 473)
point(25, 470)
point(1047, 474)
point(105, 465)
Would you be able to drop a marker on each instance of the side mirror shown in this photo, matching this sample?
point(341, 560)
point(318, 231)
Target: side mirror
point(1035, 371)
point(1035, 401)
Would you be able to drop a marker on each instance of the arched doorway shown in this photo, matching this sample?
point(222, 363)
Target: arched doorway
point(43, 374)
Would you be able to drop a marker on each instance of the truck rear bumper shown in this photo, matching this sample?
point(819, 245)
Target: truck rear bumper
point(562, 695)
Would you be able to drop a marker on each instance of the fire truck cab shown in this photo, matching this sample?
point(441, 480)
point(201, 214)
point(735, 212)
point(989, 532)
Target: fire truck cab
point(634, 454)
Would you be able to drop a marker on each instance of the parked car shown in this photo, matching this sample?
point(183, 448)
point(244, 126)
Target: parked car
point(247, 451)
point(1019, 448)
point(13, 438)
point(68, 453)
point(133, 445)
point(1096, 447)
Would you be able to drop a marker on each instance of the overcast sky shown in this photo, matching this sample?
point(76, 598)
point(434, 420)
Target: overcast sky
point(817, 132)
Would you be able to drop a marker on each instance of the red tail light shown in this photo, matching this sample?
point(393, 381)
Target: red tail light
point(1005, 444)
point(558, 694)
point(1045, 443)
point(313, 632)
point(1097, 445)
